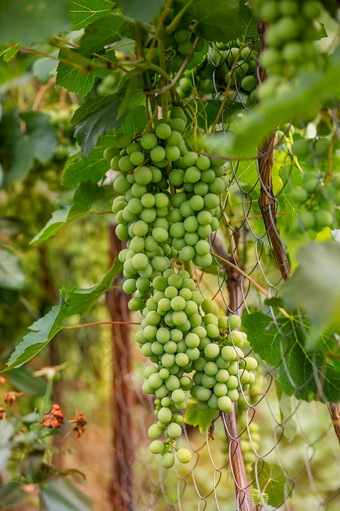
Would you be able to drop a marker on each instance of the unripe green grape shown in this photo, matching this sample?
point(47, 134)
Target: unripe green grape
point(136, 158)
point(170, 292)
point(155, 432)
point(308, 220)
point(182, 35)
point(172, 383)
point(222, 375)
point(248, 83)
point(217, 186)
point(232, 381)
point(233, 395)
point(146, 387)
point(129, 286)
point(174, 430)
point(178, 125)
point(182, 359)
point(191, 224)
point(156, 447)
point(203, 394)
point(178, 303)
point(208, 381)
point(191, 238)
point(155, 381)
point(178, 396)
point(120, 184)
point(110, 152)
point(175, 280)
point(163, 131)
point(183, 455)
point(159, 234)
point(148, 141)
point(224, 404)
point(164, 415)
point(210, 368)
point(300, 147)
point(168, 460)
point(212, 350)
point(323, 218)
point(157, 154)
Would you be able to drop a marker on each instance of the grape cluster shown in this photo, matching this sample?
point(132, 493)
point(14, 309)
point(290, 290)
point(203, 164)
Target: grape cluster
point(319, 198)
point(168, 204)
point(292, 28)
point(222, 366)
point(243, 78)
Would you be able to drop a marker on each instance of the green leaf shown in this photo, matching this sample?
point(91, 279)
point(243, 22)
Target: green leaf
point(42, 331)
point(144, 11)
point(104, 119)
point(200, 418)
point(11, 495)
point(11, 273)
point(217, 20)
point(315, 287)
point(272, 481)
point(287, 412)
point(84, 12)
point(61, 495)
point(25, 21)
point(304, 375)
point(45, 68)
point(39, 141)
point(85, 196)
point(92, 168)
point(76, 78)
point(101, 33)
point(23, 380)
point(248, 22)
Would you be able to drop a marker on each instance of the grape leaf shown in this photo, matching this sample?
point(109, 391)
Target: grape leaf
point(217, 20)
point(25, 22)
point(104, 31)
point(86, 194)
point(272, 481)
point(84, 12)
point(144, 11)
point(92, 168)
point(79, 301)
point(304, 375)
point(315, 286)
point(74, 79)
point(24, 380)
point(39, 141)
point(200, 418)
point(61, 495)
point(103, 119)
point(45, 68)
point(11, 272)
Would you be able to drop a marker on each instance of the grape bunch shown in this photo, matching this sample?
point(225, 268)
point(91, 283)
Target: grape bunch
point(292, 29)
point(167, 206)
point(243, 77)
point(319, 198)
point(222, 366)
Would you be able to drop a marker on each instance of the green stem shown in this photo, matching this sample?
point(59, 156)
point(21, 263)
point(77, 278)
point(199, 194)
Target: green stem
point(44, 405)
point(170, 28)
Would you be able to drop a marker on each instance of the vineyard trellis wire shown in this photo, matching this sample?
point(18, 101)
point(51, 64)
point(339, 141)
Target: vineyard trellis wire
point(234, 438)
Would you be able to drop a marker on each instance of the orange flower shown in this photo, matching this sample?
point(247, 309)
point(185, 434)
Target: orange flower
point(2, 413)
point(11, 397)
point(54, 418)
point(79, 424)
point(2, 379)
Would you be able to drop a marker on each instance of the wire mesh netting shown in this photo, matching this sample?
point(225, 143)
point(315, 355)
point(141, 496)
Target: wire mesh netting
point(273, 443)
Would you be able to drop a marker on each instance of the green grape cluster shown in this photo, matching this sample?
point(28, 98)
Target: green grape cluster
point(319, 197)
point(195, 82)
point(180, 43)
point(222, 366)
point(167, 204)
point(243, 77)
point(292, 29)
